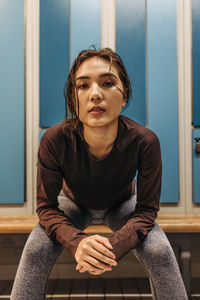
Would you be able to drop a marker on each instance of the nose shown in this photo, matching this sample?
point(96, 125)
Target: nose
point(96, 93)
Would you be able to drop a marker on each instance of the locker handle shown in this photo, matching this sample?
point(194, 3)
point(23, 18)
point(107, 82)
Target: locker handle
point(197, 145)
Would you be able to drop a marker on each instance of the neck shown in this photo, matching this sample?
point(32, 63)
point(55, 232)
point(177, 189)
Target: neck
point(101, 139)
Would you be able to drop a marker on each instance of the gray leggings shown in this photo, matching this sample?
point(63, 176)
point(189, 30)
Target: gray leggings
point(40, 254)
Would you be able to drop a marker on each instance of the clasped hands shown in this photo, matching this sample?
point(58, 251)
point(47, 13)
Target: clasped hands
point(94, 256)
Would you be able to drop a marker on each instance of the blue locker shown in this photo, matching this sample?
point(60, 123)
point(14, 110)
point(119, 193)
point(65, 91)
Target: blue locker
point(146, 41)
point(12, 161)
point(196, 60)
point(85, 26)
point(196, 166)
point(162, 89)
point(148, 48)
point(54, 60)
point(130, 45)
point(66, 27)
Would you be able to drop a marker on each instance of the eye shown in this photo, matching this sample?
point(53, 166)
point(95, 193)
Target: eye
point(82, 86)
point(108, 83)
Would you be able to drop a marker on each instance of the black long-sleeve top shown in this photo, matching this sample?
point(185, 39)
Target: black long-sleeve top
point(99, 184)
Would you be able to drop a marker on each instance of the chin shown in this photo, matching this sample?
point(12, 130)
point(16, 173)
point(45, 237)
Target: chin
point(100, 123)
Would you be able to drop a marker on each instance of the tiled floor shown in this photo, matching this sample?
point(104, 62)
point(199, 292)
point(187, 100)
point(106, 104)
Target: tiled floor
point(97, 289)
point(104, 289)
point(91, 289)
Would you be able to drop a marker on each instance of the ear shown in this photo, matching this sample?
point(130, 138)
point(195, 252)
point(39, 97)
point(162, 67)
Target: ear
point(124, 101)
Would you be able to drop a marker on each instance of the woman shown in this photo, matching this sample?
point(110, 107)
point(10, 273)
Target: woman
point(86, 169)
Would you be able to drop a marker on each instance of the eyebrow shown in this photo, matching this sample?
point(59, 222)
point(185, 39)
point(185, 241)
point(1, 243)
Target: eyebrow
point(102, 75)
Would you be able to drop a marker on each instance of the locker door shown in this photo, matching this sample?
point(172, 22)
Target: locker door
point(196, 60)
point(146, 40)
point(196, 165)
point(66, 27)
point(85, 26)
point(162, 89)
point(130, 44)
point(12, 159)
point(54, 60)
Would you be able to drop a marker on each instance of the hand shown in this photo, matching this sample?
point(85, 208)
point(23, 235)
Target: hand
point(93, 255)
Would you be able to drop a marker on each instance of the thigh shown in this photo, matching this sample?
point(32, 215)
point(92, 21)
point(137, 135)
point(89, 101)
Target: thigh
point(79, 216)
point(39, 248)
point(37, 260)
point(157, 256)
point(118, 215)
point(155, 244)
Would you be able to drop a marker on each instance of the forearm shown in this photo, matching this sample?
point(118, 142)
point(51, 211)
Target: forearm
point(133, 232)
point(59, 227)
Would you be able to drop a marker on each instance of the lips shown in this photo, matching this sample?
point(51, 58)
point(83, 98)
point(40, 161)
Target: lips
point(97, 109)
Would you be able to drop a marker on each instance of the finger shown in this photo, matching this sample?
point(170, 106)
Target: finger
point(98, 264)
point(94, 264)
point(96, 273)
point(78, 267)
point(102, 258)
point(86, 266)
point(82, 270)
point(104, 251)
point(104, 241)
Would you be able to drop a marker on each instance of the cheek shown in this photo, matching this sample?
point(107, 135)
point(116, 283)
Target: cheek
point(115, 108)
point(82, 110)
point(117, 99)
point(79, 100)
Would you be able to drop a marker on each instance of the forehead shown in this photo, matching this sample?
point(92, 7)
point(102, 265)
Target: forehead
point(96, 65)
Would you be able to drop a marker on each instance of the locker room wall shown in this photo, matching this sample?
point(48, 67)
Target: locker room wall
point(149, 54)
point(148, 47)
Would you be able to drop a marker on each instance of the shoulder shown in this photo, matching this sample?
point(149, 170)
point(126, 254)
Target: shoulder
point(61, 138)
point(58, 138)
point(137, 133)
point(60, 133)
point(54, 134)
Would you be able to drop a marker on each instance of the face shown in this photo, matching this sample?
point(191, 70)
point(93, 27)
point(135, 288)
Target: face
point(100, 93)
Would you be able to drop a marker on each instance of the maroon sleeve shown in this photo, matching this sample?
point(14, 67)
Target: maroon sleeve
point(49, 184)
point(142, 219)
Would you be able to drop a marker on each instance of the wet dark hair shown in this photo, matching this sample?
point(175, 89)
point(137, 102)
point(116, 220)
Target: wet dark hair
point(70, 86)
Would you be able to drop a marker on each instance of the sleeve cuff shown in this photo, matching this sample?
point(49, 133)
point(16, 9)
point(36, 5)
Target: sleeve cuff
point(123, 241)
point(70, 239)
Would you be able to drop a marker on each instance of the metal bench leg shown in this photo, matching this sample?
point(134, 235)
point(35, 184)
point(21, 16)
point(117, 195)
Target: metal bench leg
point(185, 267)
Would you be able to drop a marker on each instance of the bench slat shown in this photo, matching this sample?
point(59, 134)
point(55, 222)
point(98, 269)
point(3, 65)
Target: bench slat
point(169, 223)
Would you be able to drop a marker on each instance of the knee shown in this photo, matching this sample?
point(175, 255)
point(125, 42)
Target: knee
point(160, 251)
point(157, 247)
point(34, 252)
point(38, 247)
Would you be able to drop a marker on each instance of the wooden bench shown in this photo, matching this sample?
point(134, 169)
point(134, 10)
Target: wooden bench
point(183, 223)
point(182, 230)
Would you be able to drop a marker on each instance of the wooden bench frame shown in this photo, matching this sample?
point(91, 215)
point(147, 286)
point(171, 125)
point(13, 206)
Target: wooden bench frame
point(182, 230)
